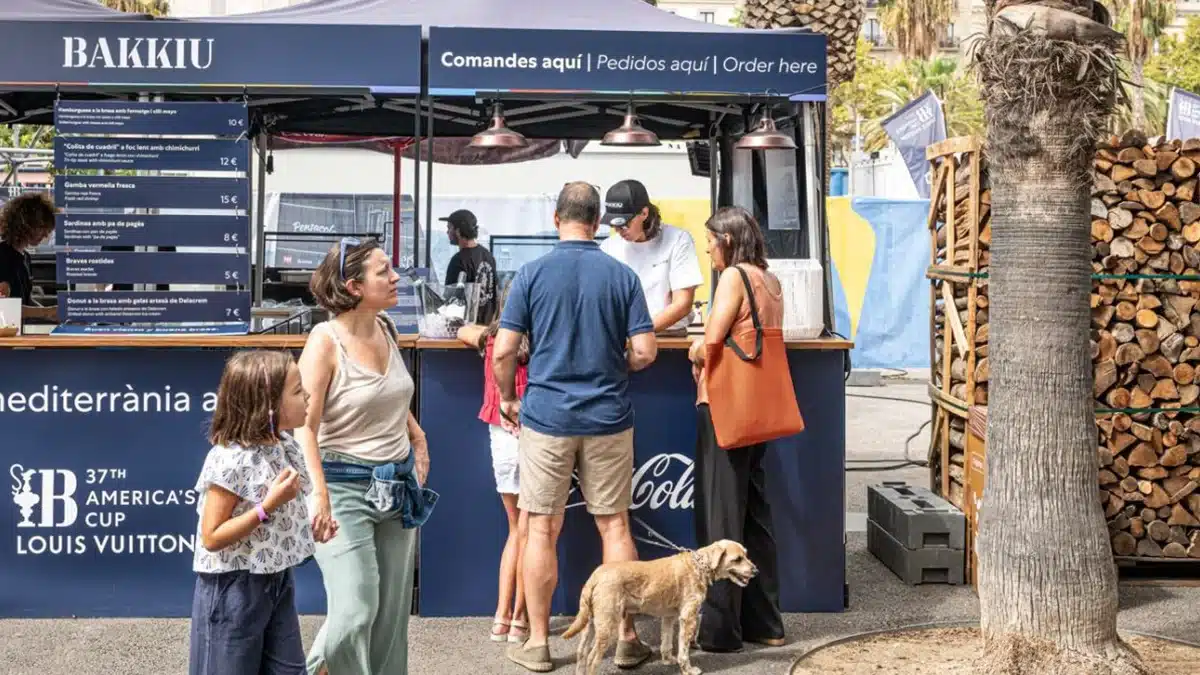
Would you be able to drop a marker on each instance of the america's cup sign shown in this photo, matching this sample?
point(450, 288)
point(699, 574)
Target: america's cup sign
point(165, 53)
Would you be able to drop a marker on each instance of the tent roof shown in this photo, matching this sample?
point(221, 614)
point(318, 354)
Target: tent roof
point(616, 15)
point(63, 10)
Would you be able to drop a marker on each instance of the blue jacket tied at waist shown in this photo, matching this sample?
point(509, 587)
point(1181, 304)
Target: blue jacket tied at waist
point(393, 487)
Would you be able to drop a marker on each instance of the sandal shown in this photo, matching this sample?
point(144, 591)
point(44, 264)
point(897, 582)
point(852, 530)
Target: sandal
point(500, 630)
point(518, 632)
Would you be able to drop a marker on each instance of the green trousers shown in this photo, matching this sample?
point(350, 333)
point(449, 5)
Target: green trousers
point(368, 573)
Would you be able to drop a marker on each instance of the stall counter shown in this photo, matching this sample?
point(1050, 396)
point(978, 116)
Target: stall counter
point(104, 437)
point(805, 481)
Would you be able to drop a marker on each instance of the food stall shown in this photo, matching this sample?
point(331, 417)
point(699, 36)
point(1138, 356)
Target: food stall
point(105, 432)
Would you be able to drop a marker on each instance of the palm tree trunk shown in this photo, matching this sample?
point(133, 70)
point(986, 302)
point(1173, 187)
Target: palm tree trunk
point(1138, 102)
point(1047, 584)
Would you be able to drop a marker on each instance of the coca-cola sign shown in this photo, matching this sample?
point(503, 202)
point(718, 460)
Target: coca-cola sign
point(664, 481)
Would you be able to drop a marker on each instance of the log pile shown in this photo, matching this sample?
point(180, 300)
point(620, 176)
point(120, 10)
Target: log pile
point(960, 218)
point(960, 379)
point(1146, 343)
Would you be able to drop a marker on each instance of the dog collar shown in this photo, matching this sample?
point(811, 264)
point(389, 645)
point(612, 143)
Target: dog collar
point(706, 573)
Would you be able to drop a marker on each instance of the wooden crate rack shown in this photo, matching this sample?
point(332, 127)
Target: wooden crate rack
point(958, 228)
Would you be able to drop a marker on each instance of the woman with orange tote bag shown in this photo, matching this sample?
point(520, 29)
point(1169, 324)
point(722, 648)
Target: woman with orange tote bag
point(745, 398)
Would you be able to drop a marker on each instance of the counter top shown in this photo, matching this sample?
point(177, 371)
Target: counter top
point(161, 341)
point(667, 343)
point(294, 342)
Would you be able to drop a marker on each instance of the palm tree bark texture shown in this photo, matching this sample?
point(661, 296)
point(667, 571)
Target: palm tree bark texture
point(1047, 584)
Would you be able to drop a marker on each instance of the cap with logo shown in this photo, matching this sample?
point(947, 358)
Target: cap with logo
point(623, 202)
point(463, 221)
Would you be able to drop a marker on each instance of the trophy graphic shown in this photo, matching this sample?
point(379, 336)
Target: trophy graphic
point(23, 493)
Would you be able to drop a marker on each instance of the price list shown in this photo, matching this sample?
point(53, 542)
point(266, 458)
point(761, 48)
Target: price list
point(110, 209)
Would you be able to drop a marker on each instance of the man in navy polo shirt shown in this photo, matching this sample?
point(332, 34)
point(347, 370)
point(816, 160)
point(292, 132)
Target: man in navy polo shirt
point(579, 307)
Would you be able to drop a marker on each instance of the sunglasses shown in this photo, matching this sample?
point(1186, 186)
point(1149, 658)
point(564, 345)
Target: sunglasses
point(346, 243)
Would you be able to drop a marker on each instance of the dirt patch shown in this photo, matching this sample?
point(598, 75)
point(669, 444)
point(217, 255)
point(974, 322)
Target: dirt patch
point(954, 651)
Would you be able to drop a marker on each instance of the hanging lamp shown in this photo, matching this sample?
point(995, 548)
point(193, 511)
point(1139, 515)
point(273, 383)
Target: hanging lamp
point(766, 137)
point(498, 135)
point(631, 133)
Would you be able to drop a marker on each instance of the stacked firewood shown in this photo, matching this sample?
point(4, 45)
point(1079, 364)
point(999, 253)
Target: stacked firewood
point(1146, 342)
point(958, 256)
point(961, 259)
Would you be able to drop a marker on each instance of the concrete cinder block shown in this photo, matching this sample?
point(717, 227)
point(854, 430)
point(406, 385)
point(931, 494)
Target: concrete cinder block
point(916, 517)
point(933, 565)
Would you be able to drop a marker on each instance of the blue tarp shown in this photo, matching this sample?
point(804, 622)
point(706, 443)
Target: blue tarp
point(893, 325)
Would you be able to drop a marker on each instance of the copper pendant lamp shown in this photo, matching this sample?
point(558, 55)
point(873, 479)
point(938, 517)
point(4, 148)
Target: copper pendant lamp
point(498, 135)
point(766, 137)
point(631, 133)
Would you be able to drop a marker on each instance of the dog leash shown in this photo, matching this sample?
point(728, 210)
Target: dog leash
point(662, 542)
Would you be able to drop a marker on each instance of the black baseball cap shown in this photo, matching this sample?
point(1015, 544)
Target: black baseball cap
point(464, 221)
point(624, 201)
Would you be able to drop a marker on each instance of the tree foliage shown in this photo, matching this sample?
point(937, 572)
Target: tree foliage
point(152, 7)
point(879, 89)
point(1144, 22)
point(916, 26)
point(1177, 63)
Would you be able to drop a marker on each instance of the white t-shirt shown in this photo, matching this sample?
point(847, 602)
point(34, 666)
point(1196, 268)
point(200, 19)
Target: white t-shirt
point(664, 264)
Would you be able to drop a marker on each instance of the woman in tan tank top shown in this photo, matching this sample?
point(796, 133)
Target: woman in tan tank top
point(358, 423)
point(731, 501)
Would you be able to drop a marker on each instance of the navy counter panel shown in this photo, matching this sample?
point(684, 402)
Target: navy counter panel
point(461, 545)
point(100, 518)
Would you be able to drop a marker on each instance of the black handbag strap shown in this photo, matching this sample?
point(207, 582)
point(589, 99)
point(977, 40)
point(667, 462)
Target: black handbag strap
point(758, 329)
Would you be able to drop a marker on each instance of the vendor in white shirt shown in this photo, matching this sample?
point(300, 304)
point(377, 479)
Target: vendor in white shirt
point(664, 257)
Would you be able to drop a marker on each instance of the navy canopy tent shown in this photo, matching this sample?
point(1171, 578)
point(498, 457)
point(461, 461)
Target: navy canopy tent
point(80, 49)
point(576, 58)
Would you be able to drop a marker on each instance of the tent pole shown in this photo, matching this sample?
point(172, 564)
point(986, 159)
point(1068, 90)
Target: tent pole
point(429, 193)
point(713, 169)
point(417, 185)
point(814, 182)
point(397, 156)
point(260, 235)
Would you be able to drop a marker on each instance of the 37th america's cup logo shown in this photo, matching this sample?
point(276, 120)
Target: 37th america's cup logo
point(56, 486)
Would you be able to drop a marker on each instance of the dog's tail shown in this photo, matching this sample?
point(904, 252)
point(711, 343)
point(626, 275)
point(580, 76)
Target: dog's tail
point(585, 612)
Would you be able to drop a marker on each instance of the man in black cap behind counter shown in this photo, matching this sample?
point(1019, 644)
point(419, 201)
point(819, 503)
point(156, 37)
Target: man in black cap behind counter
point(473, 262)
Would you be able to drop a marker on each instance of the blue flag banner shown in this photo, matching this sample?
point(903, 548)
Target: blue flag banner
point(1183, 115)
point(128, 267)
point(162, 119)
point(151, 154)
point(154, 307)
point(464, 61)
point(151, 192)
point(101, 229)
point(226, 56)
point(914, 128)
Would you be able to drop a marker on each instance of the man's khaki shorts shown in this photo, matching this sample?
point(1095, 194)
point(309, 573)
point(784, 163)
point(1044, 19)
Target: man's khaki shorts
point(604, 463)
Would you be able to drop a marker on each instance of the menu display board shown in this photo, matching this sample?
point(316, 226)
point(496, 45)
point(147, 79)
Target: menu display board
point(98, 229)
point(103, 149)
point(151, 192)
point(124, 267)
point(159, 306)
point(152, 154)
point(138, 117)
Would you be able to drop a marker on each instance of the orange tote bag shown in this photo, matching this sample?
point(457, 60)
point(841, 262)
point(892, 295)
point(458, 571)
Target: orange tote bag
point(751, 396)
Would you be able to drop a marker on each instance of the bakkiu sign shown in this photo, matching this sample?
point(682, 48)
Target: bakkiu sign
point(229, 56)
point(138, 53)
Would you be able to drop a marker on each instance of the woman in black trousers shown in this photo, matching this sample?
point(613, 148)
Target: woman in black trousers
point(731, 501)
